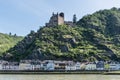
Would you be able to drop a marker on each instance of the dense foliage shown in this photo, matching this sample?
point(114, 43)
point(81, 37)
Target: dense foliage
point(8, 41)
point(104, 21)
point(95, 37)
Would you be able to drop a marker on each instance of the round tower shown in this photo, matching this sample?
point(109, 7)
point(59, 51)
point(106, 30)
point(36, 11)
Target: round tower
point(62, 14)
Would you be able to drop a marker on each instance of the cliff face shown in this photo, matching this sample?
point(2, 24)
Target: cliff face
point(95, 37)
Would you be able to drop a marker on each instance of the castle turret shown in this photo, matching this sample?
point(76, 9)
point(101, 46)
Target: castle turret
point(74, 19)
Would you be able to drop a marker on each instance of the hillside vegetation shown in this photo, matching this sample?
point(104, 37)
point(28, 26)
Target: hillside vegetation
point(95, 37)
point(8, 41)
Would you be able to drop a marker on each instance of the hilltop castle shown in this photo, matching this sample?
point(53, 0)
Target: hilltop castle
point(58, 19)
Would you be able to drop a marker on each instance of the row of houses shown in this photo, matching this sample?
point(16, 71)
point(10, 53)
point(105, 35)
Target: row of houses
point(58, 65)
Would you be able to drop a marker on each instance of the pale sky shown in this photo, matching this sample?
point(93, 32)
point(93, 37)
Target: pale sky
point(21, 16)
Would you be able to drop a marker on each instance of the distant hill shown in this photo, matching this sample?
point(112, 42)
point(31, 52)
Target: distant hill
point(104, 21)
point(8, 41)
point(95, 37)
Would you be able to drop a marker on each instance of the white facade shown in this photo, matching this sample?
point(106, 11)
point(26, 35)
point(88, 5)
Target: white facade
point(118, 66)
point(70, 67)
point(14, 67)
point(114, 66)
point(83, 66)
point(73, 66)
point(25, 66)
point(6, 67)
point(1, 67)
point(58, 65)
point(77, 65)
point(90, 66)
point(36, 67)
point(100, 68)
point(50, 65)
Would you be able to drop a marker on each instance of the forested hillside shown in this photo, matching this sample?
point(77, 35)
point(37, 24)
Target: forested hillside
point(95, 37)
point(8, 41)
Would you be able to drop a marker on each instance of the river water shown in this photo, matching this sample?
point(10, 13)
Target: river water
point(59, 77)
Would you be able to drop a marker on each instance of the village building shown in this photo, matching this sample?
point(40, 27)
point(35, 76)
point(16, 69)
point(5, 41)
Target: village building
point(1, 64)
point(25, 66)
point(100, 65)
point(114, 66)
point(70, 65)
point(43, 65)
point(5, 65)
point(50, 65)
point(77, 65)
point(36, 65)
point(83, 66)
point(60, 65)
point(13, 66)
point(90, 66)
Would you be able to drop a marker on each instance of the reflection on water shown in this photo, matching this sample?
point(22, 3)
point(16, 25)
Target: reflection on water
point(59, 77)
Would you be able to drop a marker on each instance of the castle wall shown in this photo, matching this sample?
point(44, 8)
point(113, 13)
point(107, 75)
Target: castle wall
point(60, 20)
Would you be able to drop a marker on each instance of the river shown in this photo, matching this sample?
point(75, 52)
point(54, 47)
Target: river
point(59, 77)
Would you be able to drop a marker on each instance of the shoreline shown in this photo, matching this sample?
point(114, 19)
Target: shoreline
point(58, 72)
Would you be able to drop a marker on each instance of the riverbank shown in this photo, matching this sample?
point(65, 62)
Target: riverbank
point(112, 73)
point(58, 72)
point(48, 72)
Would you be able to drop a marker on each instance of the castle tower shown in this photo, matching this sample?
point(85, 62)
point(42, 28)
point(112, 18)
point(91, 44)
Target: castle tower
point(53, 14)
point(74, 19)
point(61, 19)
point(56, 19)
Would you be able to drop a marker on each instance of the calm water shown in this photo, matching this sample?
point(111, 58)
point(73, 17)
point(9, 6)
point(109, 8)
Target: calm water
point(59, 77)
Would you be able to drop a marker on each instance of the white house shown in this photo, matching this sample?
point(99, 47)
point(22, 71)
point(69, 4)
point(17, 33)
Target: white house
point(5, 66)
point(90, 66)
point(70, 65)
point(114, 66)
point(50, 65)
point(13, 66)
point(77, 65)
point(118, 66)
point(60, 65)
point(83, 66)
point(36, 66)
point(1, 66)
point(100, 65)
point(25, 66)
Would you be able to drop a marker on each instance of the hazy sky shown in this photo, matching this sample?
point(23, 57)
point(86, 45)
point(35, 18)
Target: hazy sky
point(21, 16)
